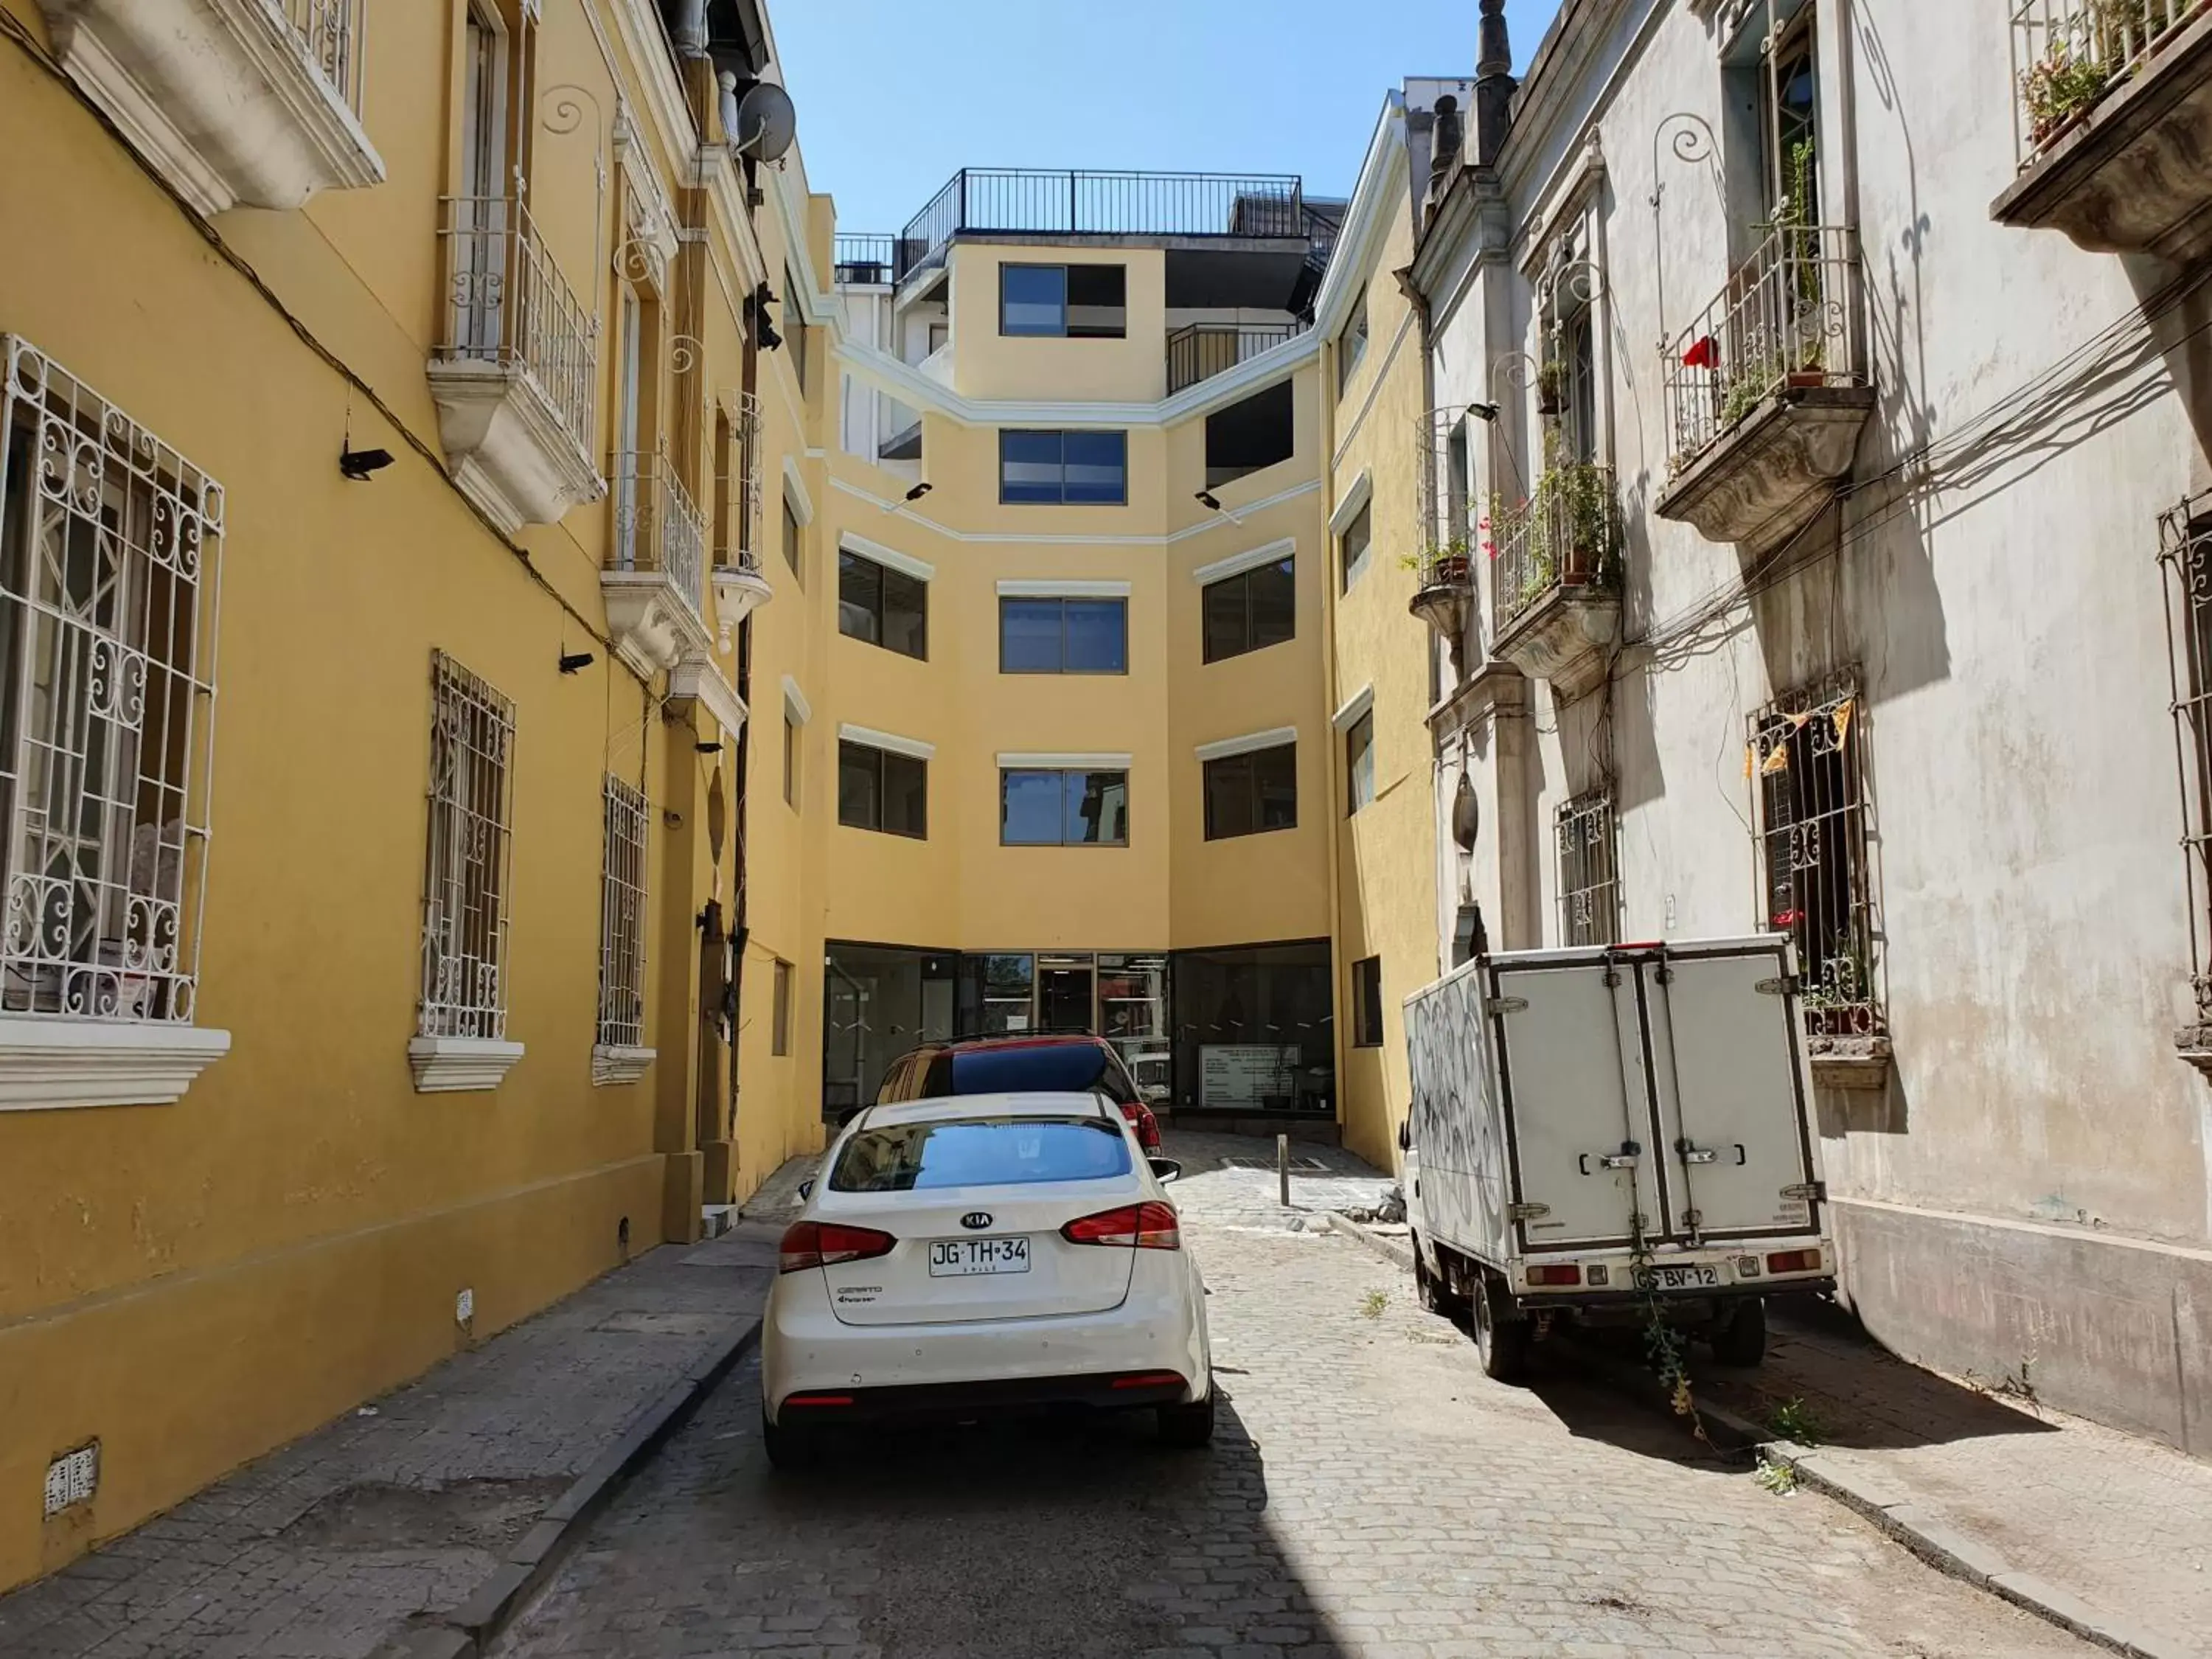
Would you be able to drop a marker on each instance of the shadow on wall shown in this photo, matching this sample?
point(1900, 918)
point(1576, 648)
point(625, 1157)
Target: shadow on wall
point(2181, 323)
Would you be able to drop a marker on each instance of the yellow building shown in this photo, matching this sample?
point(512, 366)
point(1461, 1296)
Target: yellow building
point(672, 657)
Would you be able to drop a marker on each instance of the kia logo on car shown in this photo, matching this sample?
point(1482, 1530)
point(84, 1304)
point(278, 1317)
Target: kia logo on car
point(978, 1219)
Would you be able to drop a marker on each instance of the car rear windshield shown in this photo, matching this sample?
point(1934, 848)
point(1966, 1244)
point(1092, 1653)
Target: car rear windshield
point(980, 1151)
point(1048, 1068)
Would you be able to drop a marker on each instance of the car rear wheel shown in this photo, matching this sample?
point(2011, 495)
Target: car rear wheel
point(790, 1449)
point(1186, 1425)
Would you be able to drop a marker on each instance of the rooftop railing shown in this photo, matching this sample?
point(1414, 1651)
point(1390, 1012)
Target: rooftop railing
point(865, 256)
point(1017, 200)
point(2067, 54)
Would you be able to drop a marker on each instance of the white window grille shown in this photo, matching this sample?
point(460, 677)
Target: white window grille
point(1808, 786)
point(110, 544)
point(622, 919)
point(1589, 871)
point(2185, 552)
point(464, 883)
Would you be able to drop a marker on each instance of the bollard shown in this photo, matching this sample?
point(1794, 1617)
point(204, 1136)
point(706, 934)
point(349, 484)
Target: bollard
point(1283, 1167)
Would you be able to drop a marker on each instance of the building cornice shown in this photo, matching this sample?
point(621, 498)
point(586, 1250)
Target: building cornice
point(905, 563)
point(1365, 229)
point(1251, 559)
point(1050, 539)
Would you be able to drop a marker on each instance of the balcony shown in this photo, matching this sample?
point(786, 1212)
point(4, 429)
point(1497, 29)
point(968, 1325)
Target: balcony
point(1202, 351)
point(1024, 202)
point(864, 259)
point(514, 380)
point(740, 587)
point(1555, 589)
point(656, 608)
point(2113, 114)
point(237, 102)
point(1767, 391)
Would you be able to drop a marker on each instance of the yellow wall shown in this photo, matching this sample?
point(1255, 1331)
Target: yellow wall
point(1386, 852)
point(987, 364)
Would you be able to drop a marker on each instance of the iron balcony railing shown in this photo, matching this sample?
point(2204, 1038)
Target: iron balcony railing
point(657, 527)
point(1787, 317)
point(1202, 350)
point(741, 484)
point(1565, 536)
point(507, 302)
point(331, 34)
point(2067, 54)
point(1015, 200)
point(865, 256)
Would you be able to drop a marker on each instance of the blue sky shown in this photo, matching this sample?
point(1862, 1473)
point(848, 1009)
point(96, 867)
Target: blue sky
point(894, 96)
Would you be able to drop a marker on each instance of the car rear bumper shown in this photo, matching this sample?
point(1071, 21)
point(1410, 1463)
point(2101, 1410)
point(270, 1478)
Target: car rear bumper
point(1002, 1396)
point(1158, 1327)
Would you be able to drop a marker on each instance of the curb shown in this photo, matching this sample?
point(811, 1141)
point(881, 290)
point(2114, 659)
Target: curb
point(1922, 1530)
point(466, 1632)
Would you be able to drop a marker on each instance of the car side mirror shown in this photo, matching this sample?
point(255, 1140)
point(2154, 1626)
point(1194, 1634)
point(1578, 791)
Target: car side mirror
point(1166, 1168)
point(806, 1189)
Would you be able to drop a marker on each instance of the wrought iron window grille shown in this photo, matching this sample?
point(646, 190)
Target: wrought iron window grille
point(466, 865)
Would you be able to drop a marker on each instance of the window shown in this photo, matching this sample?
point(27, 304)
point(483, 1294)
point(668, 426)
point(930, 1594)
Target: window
point(1063, 808)
point(1082, 303)
point(1367, 1003)
point(1249, 610)
point(1063, 636)
point(1064, 468)
point(1359, 762)
point(1804, 757)
point(1589, 873)
point(106, 535)
point(1255, 1028)
point(779, 1030)
point(878, 789)
point(882, 606)
point(1250, 793)
point(790, 761)
point(1252, 433)
point(1351, 546)
point(1789, 103)
point(794, 542)
point(630, 502)
point(465, 865)
point(1352, 344)
point(794, 325)
point(984, 1152)
point(621, 918)
point(2185, 551)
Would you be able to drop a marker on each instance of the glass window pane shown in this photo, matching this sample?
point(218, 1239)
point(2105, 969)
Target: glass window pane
point(1097, 304)
point(906, 613)
point(1097, 466)
point(905, 796)
point(1029, 466)
point(1359, 761)
point(1097, 636)
point(1274, 604)
point(1352, 548)
point(1275, 772)
point(1229, 801)
point(1098, 809)
point(859, 597)
point(1029, 637)
point(1007, 1151)
point(1224, 614)
point(1032, 298)
point(859, 786)
point(1251, 998)
point(1029, 809)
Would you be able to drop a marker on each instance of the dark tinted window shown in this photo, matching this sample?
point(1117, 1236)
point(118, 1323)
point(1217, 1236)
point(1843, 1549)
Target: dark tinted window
point(1047, 1068)
point(996, 1152)
point(1063, 808)
point(881, 605)
point(879, 790)
point(1064, 467)
point(1367, 1002)
point(1252, 433)
point(1247, 794)
point(1063, 636)
point(1250, 609)
point(1080, 301)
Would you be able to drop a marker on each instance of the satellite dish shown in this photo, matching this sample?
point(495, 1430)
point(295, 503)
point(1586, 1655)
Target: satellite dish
point(766, 122)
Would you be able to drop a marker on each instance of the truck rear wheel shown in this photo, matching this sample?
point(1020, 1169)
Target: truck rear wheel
point(1741, 1340)
point(1501, 1341)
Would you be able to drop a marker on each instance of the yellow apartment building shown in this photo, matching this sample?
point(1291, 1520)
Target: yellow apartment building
point(672, 657)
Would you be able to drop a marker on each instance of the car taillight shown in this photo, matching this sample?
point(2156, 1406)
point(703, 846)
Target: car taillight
point(1146, 1227)
point(825, 1243)
point(1142, 1120)
point(1793, 1261)
point(1565, 1276)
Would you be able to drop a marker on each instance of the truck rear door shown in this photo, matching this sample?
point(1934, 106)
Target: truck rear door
point(1578, 1112)
point(1737, 1139)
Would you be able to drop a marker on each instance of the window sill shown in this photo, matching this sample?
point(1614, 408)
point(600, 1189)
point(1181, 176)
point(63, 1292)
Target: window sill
point(614, 1063)
point(447, 1064)
point(48, 1063)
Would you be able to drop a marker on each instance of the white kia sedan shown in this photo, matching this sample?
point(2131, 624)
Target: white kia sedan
point(958, 1258)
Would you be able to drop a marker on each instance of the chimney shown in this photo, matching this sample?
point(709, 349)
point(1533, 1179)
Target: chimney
point(1493, 85)
point(1446, 139)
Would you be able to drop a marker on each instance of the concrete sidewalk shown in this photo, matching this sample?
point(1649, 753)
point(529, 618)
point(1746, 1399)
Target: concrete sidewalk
point(2105, 1530)
point(409, 1520)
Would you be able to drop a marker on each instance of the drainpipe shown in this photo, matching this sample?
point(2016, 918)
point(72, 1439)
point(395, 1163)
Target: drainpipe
point(1339, 976)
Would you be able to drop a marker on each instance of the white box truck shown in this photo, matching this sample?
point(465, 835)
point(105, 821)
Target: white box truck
point(1600, 1133)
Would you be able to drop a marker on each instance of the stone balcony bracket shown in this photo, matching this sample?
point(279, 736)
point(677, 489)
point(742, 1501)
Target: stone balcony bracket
point(1858, 1064)
point(1770, 475)
point(1566, 637)
point(510, 451)
point(740, 590)
point(653, 625)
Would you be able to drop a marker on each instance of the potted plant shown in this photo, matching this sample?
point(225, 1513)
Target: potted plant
point(1551, 389)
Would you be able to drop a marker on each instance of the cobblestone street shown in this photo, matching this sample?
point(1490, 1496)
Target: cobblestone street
point(1369, 1493)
